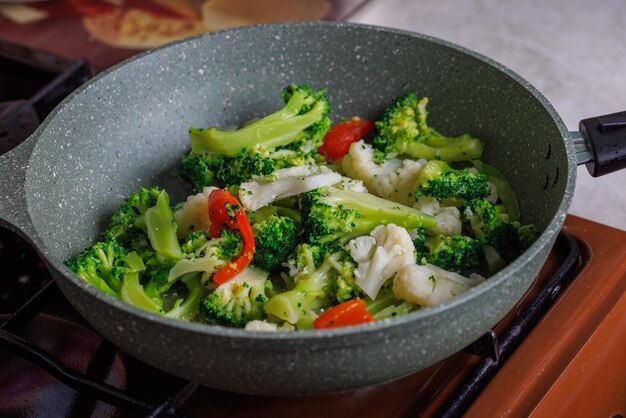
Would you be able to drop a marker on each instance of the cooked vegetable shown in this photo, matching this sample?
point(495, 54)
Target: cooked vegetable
point(304, 117)
point(330, 214)
point(306, 246)
point(352, 312)
point(460, 254)
point(443, 182)
point(338, 140)
point(392, 179)
point(403, 130)
point(380, 255)
point(206, 169)
point(226, 213)
point(429, 285)
point(318, 271)
point(490, 225)
point(275, 237)
point(237, 301)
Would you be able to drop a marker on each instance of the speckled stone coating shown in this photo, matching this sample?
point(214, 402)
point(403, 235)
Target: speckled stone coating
point(127, 128)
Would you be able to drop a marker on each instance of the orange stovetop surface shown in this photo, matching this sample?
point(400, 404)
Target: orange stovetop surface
point(572, 364)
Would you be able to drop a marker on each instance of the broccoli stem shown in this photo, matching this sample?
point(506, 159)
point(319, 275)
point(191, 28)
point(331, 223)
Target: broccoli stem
point(293, 305)
point(505, 191)
point(374, 211)
point(188, 309)
point(161, 229)
point(439, 147)
point(279, 128)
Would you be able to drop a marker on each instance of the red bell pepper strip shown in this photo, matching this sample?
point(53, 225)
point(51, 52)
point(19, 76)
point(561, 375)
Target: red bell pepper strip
point(352, 312)
point(338, 140)
point(225, 212)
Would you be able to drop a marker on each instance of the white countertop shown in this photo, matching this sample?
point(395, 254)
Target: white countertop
point(574, 52)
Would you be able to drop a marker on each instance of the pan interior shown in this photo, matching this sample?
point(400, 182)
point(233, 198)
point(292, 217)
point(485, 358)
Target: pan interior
point(129, 127)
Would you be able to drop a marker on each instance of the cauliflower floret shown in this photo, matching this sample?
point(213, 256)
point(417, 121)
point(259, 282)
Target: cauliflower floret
point(284, 183)
point(258, 325)
point(429, 285)
point(352, 185)
point(264, 326)
point(380, 255)
point(393, 179)
point(448, 217)
point(192, 214)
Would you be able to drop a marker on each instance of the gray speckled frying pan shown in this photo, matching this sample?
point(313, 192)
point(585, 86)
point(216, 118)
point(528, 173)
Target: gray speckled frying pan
point(128, 127)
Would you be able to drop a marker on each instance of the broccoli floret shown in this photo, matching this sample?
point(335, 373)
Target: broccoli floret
point(315, 282)
point(128, 223)
point(151, 299)
point(506, 194)
point(403, 130)
point(460, 254)
point(344, 288)
point(161, 228)
point(205, 256)
point(145, 221)
point(485, 222)
point(511, 239)
point(207, 169)
point(237, 301)
point(443, 182)
point(101, 265)
point(274, 239)
point(303, 118)
point(480, 217)
point(330, 214)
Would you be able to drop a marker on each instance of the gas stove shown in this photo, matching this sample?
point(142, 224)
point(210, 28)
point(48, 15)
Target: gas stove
point(559, 352)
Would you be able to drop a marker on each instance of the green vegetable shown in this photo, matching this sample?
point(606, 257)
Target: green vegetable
point(460, 254)
point(403, 130)
point(206, 169)
point(102, 265)
point(237, 301)
point(437, 179)
point(509, 239)
point(204, 255)
point(505, 192)
point(275, 237)
point(128, 224)
point(330, 214)
point(313, 284)
point(386, 305)
point(304, 117)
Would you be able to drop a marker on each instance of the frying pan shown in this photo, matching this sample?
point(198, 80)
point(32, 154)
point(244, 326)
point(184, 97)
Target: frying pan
point(127, 128)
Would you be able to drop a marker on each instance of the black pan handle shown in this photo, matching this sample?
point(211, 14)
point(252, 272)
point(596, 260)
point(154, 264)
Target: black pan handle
point(601, 145)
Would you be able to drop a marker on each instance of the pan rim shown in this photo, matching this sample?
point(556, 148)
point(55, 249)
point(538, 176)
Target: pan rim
point(545, 238)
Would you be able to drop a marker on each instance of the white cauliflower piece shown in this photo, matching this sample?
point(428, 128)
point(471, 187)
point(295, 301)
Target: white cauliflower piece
point(352, 185)
point(192, 215)
point(258, 325)
point(448, 217)
point(380, 255)
point(264, 326)
point(284, 183)
point(393, 179)
point(429, 285)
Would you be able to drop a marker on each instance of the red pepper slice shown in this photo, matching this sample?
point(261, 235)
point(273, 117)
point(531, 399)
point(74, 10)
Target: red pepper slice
point(352, 312)
point(225, 212)
point(338, 140)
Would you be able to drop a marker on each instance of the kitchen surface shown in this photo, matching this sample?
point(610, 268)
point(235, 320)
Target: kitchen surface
point(572, 51)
